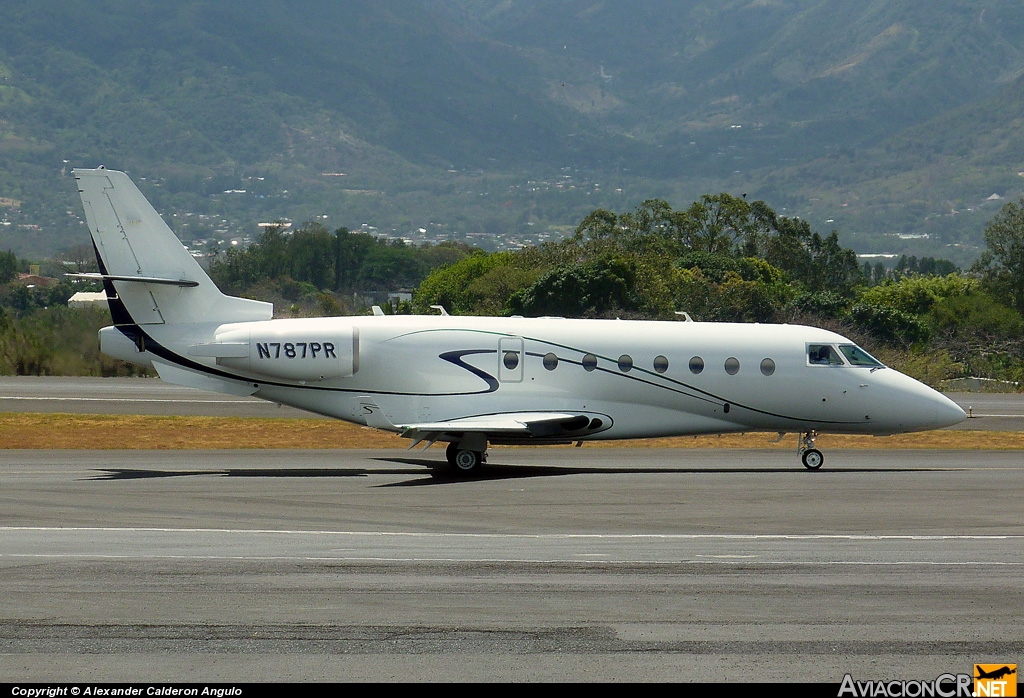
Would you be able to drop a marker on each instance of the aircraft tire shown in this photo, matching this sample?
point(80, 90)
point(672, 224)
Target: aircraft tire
point(450, 453)
point(812, 458)
point(468, 462)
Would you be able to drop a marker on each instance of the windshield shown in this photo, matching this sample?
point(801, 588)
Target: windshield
point(823, 355)
point(858, 357)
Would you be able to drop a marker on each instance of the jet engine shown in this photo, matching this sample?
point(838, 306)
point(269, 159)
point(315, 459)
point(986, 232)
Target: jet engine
point(301, 349)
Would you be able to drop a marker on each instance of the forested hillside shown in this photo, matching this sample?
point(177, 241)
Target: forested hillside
point(510, 120)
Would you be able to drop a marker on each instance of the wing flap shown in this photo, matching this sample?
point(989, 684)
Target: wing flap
point(527, 424)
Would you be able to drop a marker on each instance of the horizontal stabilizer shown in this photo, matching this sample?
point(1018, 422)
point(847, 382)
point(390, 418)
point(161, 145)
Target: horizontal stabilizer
point(139, 279)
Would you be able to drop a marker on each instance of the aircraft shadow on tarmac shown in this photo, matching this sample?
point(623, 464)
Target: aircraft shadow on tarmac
point(438, 473)
point(141, 474)
point(495, 471)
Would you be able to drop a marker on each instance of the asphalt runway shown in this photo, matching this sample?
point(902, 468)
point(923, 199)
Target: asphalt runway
point(88, 395)
point(83, 395)
point(558, 564)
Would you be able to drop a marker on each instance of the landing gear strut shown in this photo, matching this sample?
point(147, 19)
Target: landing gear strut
point(811, 457)
point(465, 461)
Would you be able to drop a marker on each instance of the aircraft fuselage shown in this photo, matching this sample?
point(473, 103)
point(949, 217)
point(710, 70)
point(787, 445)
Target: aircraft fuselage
point(638, 378)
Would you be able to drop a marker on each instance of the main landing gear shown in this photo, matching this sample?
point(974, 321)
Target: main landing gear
point(464, 459)
point(811, 457)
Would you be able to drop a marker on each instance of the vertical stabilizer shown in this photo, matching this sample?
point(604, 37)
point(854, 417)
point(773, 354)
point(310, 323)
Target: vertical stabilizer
point(131, 240)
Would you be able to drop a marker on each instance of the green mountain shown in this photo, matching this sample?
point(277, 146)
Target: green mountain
point(513, 117)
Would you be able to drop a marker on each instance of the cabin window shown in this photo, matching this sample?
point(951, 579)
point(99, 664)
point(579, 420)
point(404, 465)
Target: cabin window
point(823, 355)
point(660, 364)
point(625, 363)
point(696, 365)
point(589, 362)
point(550, 361)
point(858, 357)
point(511, 359)
point(767, 367)
point(732, 365)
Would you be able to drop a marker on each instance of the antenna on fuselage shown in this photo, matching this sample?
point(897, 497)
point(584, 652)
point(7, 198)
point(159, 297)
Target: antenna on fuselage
point(441, 308)
point(686, 316)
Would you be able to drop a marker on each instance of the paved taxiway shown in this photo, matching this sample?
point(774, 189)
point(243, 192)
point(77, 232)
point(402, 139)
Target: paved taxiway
point(557, 564)
point(89, 395)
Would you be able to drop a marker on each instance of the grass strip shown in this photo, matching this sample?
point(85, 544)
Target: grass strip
point(92, 431)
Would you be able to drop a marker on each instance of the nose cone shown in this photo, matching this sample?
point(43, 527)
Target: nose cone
point(947, 412)
point(902, 404)
point(916, 407)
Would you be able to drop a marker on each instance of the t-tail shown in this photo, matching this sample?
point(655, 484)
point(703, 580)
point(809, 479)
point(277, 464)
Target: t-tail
point(149, 276)
point(155, 289)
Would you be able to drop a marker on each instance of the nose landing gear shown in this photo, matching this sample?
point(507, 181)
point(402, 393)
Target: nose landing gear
point(811, 457)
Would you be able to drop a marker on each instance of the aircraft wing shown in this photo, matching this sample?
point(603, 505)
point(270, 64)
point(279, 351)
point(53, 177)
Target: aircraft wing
point(523, 424)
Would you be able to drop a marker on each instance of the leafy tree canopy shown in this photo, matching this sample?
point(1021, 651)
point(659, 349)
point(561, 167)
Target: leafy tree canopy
point(341, 261)
point(1002, 264)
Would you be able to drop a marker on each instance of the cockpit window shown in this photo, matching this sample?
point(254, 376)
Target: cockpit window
point(858, 357)
point(823, 355)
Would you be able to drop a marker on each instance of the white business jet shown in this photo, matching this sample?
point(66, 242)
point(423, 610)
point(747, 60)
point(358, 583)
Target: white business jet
point(474, 381)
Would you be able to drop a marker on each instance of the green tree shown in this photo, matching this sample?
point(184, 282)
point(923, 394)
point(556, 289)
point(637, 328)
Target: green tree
point(310, 255)
point(714, 288)
point(889, 324)
point(350, 251)
point(723, 223)
point(819, 264)
point(1002, 263)
point(478, 283)
point(8, 266)
point(581, 290)
point(917, 294)
point(976, 322)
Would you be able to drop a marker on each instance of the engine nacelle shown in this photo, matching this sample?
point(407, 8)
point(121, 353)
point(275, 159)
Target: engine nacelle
point(300, 349)
point(113, 342)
